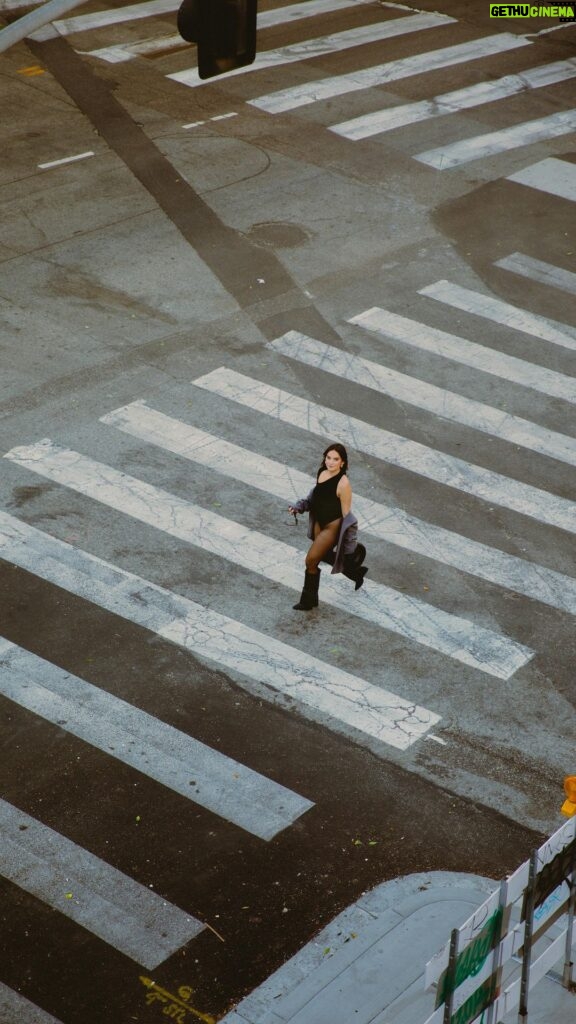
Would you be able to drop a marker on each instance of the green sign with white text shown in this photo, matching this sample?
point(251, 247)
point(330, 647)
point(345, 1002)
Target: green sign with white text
point(470, 960)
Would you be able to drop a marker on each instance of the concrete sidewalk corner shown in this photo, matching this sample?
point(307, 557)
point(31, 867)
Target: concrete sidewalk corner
point(367, 965)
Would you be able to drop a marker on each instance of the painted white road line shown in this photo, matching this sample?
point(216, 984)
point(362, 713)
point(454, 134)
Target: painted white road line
point(380, 121)
point(557, 177)
point(327, 44)
point(224, 786)
point(469, 353)
point(66, 160)
point(14, 5)
point(115, 16)
point(538, 270)
point(416, 620)
point(345, 699)
point(219, 117)
point(394, 70)
point(489, 144)
point(128, 916)
point(15, 1009)
point(490, 308)
point(393, 448)
point(446, 404)
point(153, 8)
point(387, 522)
point(126, 51)
point(119, 53)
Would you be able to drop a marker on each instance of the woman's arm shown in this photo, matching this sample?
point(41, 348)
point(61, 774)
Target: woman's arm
point(302, 505)
point(344, 492)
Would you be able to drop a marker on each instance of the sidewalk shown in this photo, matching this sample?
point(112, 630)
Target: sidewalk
point(366, 967)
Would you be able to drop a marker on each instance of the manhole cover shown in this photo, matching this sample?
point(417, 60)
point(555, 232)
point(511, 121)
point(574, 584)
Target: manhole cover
point(277, 235)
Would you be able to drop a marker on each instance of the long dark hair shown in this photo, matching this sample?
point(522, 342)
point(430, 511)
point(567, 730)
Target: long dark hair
point(341, 452)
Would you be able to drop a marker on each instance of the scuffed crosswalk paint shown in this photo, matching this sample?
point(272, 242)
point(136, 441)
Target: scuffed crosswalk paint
point(126, 915)
point(224, 786)
point(393, 71)
point(468, 353)
point(126, 51)
point(500, 312)
point(16, 1009)
point(544, 273)
point(489, 144)
point(387, 522)
point(380, 121)
point(438, 401)
point(323, 45)
point(556, 177)
point(368, 709)
point(485, 484)
point(416, 620)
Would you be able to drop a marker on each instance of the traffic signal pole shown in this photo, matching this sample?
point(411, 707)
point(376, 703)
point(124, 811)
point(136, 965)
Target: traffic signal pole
point(31, 22)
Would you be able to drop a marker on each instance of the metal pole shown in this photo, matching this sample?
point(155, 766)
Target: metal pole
point(23, 27)
point(497, 965)
point(527, 950)
point(451, 975)
point(567, 974)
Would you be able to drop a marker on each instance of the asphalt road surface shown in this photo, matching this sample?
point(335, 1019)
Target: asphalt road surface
point(367, 236)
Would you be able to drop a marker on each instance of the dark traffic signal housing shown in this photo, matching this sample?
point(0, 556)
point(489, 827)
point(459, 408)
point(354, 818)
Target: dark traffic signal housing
point(223, 30)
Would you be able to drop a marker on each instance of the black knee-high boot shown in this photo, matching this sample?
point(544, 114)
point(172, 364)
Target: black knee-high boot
point(309, 595)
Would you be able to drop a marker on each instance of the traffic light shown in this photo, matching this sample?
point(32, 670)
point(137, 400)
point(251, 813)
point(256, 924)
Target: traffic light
point(569, 806)
point(224, 31)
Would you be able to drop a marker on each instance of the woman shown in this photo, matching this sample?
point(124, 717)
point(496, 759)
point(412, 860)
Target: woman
point(332, 528)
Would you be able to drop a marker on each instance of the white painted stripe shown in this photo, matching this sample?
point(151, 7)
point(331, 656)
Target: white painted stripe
point(324, 45)
point(14, 5)
point(126, 915)
point(346, 699)
point(538, 270)
point(153, 8)
point(393, 448)
point(224, 786)
point(408, 617)
point(491, 143)
point(392, 71)
point(450, 102)
point(387, 522)
point(502, 313)
point(452, 346)
point(119, 53)
point(438, 401)
point(266, 19)
point(557, 177)
point(66, 160)
point(15, 1009)
point(115, 16)
point(219, 117)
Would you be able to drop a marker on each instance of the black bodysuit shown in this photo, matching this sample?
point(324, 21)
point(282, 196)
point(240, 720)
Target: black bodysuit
point(325, 502)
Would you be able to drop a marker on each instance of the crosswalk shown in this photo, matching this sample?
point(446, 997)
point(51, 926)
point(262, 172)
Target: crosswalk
point(368, 45)
point(16, 1009)
point(362, 708)
point(298, 78)
point(175, 760)
point(220, 784)
point(125, 914)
